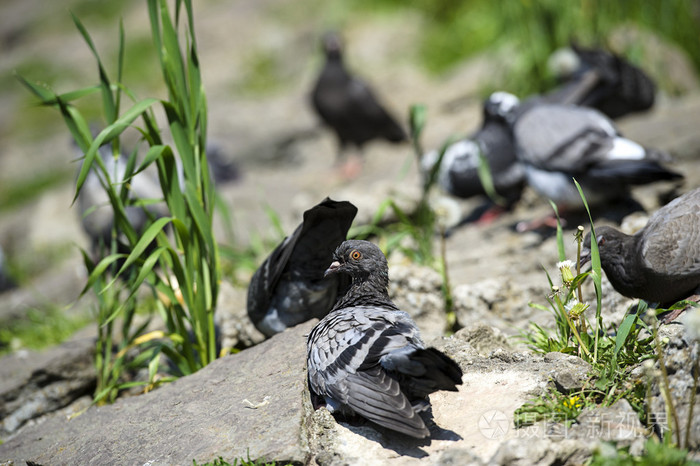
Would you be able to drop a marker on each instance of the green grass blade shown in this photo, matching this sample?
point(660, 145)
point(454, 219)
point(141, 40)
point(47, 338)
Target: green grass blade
point(623, 332)
point(484, 172)
point(595, 271)
point(560, 234)
point(99, 270)
point(146, 239)
point(107, 134)
point(108, 103)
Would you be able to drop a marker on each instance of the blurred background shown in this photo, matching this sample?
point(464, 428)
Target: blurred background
point(259, 59)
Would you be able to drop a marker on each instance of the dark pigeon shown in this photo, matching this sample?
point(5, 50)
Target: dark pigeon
point(221, 169)
point(6, 281)
point(289, 287)
point(556, 143)
point(347, 104)
point(661, 262)
point(602, 80)
point(366, 357)
point(459, 168)
point(96, 214)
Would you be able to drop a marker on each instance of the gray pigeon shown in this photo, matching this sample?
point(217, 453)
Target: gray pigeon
point(459, 168)
point(366, 357)
point(347, 104)
point(289, 287)
point(96, 212)
point(602, 80)
point(661, 262)
point(556, 143)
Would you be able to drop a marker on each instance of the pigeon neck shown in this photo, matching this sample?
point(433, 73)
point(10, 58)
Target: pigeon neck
point(367, 290)
point(334, 56)
point(621, 264)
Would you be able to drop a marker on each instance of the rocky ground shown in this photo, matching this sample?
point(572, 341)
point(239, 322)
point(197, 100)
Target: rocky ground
point(238, 406)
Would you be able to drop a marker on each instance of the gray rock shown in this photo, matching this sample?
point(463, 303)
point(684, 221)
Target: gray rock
point(679, 357)
point(236, 406)
point(569, 373)
point(484, 338)
point(37, 384)
point(458, 457)
point(541, 452)
point(418, 291)
point(237, 330)
point(494, 302)
point(618, 423)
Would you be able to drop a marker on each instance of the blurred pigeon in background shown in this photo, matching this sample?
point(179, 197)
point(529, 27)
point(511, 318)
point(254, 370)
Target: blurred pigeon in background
point(348, 105)
point(6, 282)
point(366, 357)
point(289, 287)
point(661, 262)
point(556, 143)
point(96, 214)
point(603, 80)
point(458, 174)
point(221, 169)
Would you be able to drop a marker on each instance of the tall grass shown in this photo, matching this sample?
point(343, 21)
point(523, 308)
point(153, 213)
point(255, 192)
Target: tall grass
point(180, 268)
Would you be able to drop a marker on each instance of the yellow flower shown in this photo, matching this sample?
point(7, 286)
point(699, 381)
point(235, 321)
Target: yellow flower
point(573, 402)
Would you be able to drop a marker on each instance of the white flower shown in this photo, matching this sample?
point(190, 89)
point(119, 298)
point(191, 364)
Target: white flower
point(447, 211)
point(567, 263)
point(691, 320)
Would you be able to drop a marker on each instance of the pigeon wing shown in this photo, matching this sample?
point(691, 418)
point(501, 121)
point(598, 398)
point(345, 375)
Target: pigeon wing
point(563, 138)
point(344, 354)
point(670, 242)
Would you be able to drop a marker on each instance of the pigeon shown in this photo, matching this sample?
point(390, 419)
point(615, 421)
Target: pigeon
point(458, 174)
point(602, 80)
point(6, 282)
point(95, 209)
point(661, 262)
point(556, 142)
point(221, 169)
point(289, 287)
point(366, 356)
point(347, 104)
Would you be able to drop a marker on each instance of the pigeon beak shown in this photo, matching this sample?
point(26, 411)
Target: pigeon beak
point(333, 268)
point(585, 256)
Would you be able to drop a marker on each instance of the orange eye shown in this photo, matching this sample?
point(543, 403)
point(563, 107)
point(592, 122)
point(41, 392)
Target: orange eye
point(355, 255)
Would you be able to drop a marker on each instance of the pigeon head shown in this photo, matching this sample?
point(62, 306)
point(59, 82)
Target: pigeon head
point(501, 105)
point(332, 45)
point(611, 245)
point(563, 63)
point(362, 260)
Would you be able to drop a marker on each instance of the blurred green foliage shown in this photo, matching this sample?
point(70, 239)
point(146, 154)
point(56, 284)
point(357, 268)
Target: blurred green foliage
point(530, 30)
point(40, 328)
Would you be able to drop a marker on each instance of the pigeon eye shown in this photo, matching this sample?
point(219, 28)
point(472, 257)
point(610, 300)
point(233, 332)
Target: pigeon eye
point(601, 240)
point(355, 255)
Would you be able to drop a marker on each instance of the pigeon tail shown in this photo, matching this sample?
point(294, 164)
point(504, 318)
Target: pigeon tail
point(633, 172)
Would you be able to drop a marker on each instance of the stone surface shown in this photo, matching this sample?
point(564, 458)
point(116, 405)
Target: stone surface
point(34, 385)
point(417, 290)
point(247, 403)
point(570, 372)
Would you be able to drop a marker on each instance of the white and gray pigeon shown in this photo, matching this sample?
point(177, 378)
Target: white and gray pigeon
point(458, 174)
point(596, 78)
point(661, 262)
point(289, 287)
point(96, 214)
point(556, 143)
point(348, 105)
point(366, 356)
